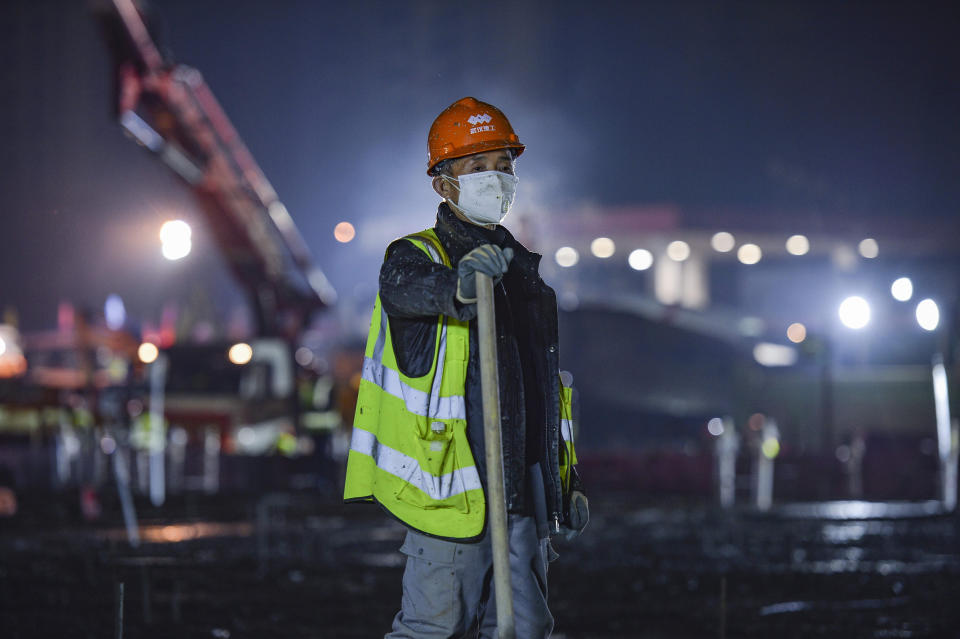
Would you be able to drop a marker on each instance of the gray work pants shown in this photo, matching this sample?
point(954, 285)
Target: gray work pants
point(448, 587)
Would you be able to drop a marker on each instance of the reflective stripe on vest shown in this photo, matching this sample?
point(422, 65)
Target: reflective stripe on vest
point(418, 402)
point(400, 465)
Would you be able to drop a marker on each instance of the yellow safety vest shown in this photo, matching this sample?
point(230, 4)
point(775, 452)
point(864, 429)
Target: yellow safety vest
point(568, 455)
point(409, 451)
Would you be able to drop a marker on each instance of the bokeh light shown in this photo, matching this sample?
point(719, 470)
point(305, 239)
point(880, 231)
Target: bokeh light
point(869, 248)
point(344, 232)
point(640, 259)
point(602, 247)
point(770, 354)
point(566, 256)
point(854, 312)
point(723, 242)
point(770, 447)
point(108, 445)
point(796, 332)
point(114, 312)
point(798, 245)
point(902, 289)
point(240, 353)
point(749, 254)
point(303, 356)
point(175, 239)
point(928, 315)
point(678, 250)
point(148, 352)
point(715, 427)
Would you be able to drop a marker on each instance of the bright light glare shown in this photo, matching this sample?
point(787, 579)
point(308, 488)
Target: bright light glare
point(344, 232)
point(3, 346)
point(148, 352)
point(768, 354)
point(902, 289)
point(602, 247)
point(715, 427)
point(854, 312)
point(566, 256)
point(722, 242)
point(678, 250)
point(869, 248)
point(798, 245)
point(928, 315)
point(175, 242)
point(240, 353)
point(749, 254)
point(796, 332)
point(640, 259)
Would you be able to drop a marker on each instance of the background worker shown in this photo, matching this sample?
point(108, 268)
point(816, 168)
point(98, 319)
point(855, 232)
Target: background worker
point(418, 444)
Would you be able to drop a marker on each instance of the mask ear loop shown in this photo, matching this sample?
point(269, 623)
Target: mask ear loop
point(455, 183)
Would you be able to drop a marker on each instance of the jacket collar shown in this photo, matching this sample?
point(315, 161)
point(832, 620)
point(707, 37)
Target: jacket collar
point(459, 238)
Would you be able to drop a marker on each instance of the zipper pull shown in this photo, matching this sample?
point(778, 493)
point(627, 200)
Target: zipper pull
point(556, 523)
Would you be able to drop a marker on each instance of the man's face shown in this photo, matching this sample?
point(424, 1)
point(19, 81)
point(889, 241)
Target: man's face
point(499, 160)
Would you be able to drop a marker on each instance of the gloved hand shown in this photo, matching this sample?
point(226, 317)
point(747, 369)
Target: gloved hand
point(579, 516)
point(489, 259)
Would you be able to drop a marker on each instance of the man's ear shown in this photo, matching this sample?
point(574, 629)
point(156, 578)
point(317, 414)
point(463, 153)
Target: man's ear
point(442, 187)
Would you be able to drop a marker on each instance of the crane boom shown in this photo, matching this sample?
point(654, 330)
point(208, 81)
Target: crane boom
point(170, 110)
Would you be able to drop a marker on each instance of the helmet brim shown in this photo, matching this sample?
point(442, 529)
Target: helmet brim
point(478, 147)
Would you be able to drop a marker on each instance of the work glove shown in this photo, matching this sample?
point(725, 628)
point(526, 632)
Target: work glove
point(489, 259)
point(578, 517)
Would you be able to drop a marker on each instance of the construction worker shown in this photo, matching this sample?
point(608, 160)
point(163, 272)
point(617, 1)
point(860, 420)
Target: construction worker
point(418, 444)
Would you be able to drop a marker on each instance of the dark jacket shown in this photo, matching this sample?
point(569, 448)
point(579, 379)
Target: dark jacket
point(414, 289)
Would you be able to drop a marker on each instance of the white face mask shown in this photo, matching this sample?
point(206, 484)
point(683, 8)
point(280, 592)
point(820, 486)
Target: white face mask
point(485, 197)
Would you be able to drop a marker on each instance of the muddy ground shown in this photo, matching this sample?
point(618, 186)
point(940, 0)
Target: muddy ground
point(304, 565)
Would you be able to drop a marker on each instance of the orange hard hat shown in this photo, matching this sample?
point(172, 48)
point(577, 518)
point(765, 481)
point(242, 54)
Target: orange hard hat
point(466, 127)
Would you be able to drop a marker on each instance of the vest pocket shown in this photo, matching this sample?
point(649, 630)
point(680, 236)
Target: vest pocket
point(435, 483)
point(436, 449)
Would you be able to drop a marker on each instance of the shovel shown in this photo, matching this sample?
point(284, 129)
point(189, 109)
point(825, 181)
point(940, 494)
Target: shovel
point(496, 500)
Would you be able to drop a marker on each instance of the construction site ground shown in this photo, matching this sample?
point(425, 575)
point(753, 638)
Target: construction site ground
point(305, 565)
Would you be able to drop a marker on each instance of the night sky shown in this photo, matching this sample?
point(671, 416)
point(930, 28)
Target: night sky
point(845, 109)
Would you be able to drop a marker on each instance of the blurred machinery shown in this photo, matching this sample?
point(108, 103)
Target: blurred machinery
point(168, 109)
point(87, 398)
point(162, 411)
